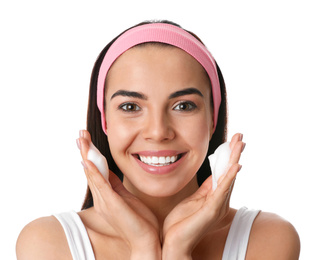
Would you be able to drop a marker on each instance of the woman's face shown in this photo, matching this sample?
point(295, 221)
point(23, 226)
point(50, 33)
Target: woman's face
point(159, 118)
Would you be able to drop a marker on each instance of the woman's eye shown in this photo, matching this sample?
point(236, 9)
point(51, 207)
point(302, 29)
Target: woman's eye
point(185, 106)
point(129, 107)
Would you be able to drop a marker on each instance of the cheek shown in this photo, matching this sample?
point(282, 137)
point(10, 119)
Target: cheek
point(196, 132)
point(196, 135)
point(120, 135)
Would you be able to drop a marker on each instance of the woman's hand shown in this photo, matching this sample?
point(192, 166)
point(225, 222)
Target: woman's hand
point(129, 217)
point(191, 219)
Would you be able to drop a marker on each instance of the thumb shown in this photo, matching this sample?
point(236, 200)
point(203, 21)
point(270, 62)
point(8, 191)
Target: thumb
point(205, 187)
point(117, 185)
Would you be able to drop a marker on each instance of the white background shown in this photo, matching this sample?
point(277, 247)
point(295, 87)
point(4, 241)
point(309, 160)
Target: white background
point(264, 49)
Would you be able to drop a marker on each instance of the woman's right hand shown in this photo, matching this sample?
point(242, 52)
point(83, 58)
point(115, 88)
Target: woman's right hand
point(127, 215)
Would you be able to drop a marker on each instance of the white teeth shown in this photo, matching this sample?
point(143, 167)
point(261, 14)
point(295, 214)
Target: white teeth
point(161, 160)
point(158, 161)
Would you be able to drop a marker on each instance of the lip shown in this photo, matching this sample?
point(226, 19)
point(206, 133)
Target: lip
point(159, 153)
point(160, 170)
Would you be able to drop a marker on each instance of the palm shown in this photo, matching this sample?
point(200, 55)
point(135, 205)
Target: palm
point(180, 220)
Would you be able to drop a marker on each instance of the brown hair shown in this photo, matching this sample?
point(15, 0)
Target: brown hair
point(100, 140)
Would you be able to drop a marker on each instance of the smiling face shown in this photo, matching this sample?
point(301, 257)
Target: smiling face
point(159, 118)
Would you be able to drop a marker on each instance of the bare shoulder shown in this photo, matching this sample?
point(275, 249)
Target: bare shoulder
point(273, 237)
point(42, 238)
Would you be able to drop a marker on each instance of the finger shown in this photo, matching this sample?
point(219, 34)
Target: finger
point(224, 189)
point(106, 201)
point(91, 153)
point(227, 201)
point(204, 189)
point(222, 195)
point(235, 155)
point(85, 134)
point(83, 143)
point(94, 191)
point(118, 186)
point(93, 183)
point(236, 138)
point(114, 180)
point(98, 180)
point(98, 201)
point(104, 190)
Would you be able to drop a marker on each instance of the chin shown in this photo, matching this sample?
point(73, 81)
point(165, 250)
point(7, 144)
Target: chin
point(165, 187)
point(161, 192)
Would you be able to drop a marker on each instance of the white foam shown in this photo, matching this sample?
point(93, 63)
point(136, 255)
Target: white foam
point(219, 162)
point(99, 161)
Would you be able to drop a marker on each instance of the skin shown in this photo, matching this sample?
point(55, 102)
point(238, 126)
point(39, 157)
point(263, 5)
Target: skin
point(157, 126)
point(159, 216)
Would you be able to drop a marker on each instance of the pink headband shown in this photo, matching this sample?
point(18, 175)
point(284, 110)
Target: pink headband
point(164, 33)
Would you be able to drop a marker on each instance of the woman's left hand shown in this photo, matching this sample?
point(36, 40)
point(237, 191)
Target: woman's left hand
point(191, 219)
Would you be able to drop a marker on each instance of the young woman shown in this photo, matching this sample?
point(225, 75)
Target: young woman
point(157, 110)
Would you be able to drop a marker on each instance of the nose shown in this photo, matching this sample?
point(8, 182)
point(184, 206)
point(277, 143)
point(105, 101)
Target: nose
point(158, 128)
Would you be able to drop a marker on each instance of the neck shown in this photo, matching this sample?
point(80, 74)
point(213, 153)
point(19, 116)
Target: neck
point(162, 206)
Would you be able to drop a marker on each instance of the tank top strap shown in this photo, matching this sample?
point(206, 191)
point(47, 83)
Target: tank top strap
point(239, 233)
point(76, 235)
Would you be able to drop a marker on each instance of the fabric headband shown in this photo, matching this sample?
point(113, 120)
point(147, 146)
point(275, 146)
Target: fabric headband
point(163, 33)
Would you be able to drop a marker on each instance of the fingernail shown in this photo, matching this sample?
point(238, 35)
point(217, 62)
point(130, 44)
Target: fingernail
point(78, 143)
point(81, 133)
point(241, 137)
point(240, 166)
point(243, 147)
point(84, 165)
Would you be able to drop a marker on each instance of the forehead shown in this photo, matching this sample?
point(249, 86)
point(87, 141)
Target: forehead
point(155, 61)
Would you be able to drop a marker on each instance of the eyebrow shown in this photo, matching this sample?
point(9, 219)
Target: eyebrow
point(187, 91)
point(126, 93)
point(134, 94)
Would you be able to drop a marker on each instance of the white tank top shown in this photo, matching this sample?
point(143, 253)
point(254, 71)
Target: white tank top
point(235, 247)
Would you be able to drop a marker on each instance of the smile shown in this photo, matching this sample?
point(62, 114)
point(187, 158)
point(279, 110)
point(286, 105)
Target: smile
point(159, 161)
